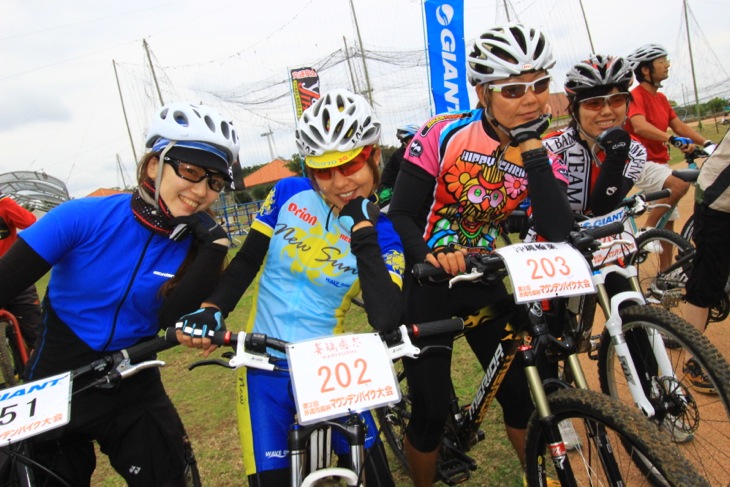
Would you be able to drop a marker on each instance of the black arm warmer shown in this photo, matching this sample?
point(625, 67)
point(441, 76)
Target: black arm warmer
point(241, 272)
point(603, 201)
point(550, 208)
point(20, 267)
point(197, 283)
point(381, 295)
point(412, 196)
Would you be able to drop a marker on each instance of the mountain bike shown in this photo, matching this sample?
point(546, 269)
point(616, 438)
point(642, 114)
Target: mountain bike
point(618, 445)
point(643, 354)
point(663, 276)
point(13, 350)
point(344, 381)
point(40, 406)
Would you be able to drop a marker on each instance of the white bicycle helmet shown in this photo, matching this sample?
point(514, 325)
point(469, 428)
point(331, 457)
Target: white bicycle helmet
point(335, 128)
point(645, 54)
point(527, 47)
point(194, 127)
point(596, 71)
point(406, 131)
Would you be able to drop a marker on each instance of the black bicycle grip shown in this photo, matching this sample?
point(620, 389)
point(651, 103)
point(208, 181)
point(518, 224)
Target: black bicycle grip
point(614, 228)
point(657, 195)
point(438, 327)
point(224, 337)
point(423, 270)
point(145, 350)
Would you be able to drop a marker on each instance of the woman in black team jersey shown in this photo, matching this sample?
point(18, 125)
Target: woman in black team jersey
point(603, 161)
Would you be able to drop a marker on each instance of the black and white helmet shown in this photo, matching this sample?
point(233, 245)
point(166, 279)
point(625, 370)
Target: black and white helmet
point(598, 70)
point(190, 125)
point(527, 47)
point(646, 54)
point(338, 122)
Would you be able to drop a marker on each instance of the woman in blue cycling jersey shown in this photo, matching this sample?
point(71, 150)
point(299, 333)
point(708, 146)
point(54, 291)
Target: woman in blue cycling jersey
point(318, 241)
point(123, 267)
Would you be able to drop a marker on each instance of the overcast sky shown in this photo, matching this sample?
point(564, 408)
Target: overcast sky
point(61, 108)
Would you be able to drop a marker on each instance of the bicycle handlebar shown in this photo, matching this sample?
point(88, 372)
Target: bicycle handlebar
point(487, 266)
point(251, 347)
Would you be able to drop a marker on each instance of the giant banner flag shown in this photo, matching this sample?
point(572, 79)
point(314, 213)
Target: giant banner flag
point(305, 88)
point(447, 54)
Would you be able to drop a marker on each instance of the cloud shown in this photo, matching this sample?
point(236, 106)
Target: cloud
point(24, 106)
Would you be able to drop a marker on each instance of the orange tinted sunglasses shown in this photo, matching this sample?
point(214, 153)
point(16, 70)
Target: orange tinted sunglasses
point(347, 169)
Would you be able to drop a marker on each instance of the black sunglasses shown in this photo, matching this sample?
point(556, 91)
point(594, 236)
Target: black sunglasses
point(195, 174)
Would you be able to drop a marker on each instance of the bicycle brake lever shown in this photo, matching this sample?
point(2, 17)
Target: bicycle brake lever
point(472, 275)
point(125, 368)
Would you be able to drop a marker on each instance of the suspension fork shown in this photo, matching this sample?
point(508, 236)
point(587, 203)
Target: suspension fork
point(614, 326)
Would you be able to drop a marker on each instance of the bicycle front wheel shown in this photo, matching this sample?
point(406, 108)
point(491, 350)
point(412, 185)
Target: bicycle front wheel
point(394, 418)
point(663, 260)
point(691, 400)
point(607, 433)
point(7, 361)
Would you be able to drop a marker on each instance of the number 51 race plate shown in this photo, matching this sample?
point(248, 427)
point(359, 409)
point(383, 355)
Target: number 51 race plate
point(34, 407)
point(334, 375)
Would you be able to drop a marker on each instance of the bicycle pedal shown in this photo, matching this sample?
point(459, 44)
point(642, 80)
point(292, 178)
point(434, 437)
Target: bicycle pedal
point(595, 342)
point(453, 472)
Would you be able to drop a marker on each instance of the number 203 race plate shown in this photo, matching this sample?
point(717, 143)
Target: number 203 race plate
point(34, 407)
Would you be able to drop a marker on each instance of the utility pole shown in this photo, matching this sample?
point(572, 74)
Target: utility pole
point(268, 136)
point(121, 172)
point(692, 65)
point(152, 68)
point(124, 111)
point(362, 54)
point(349, 67)
point(585, 21)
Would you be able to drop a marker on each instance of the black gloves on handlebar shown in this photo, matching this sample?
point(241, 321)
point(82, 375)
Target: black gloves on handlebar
point(203, 227)
point(199, 323)
point(530, 130)
point(358, 210)
point(615, 142)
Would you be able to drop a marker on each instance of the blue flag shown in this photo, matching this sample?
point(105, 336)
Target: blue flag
point(447, 54)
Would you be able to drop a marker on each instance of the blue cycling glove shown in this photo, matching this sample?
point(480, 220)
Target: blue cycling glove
point(679, 142)
point(358, 210)
point(202, 323)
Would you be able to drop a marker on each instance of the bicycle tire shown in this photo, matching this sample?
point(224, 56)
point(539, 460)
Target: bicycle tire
point(394, 418)
point(7, 364)
point(623, 425)
point(699, 422)
point(688, 229)
point(664, 288)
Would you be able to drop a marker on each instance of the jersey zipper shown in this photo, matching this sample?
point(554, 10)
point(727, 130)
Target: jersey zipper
point(126, 291)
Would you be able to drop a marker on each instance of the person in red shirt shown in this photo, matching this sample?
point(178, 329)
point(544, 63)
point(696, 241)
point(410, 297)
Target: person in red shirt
point(26, 306)
point(650, 115)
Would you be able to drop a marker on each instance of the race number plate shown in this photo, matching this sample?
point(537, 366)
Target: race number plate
point(34, 407)
point(334, 375)
point(545, 270)
point(610, 254)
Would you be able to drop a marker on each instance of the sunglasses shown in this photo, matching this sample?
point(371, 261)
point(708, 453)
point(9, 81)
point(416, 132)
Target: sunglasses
point(518, 90)
point(195, 174)
point(597, 103)
point(346, 169)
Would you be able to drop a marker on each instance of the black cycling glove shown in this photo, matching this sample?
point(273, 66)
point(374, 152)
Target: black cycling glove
point(358, 210)
point(615, 142)
point(203, 227)
point(530, 130)
point(201, 323)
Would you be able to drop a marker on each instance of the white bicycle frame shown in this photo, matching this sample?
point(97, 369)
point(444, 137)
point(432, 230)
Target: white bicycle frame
point(615, 330)
point(243, 358)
